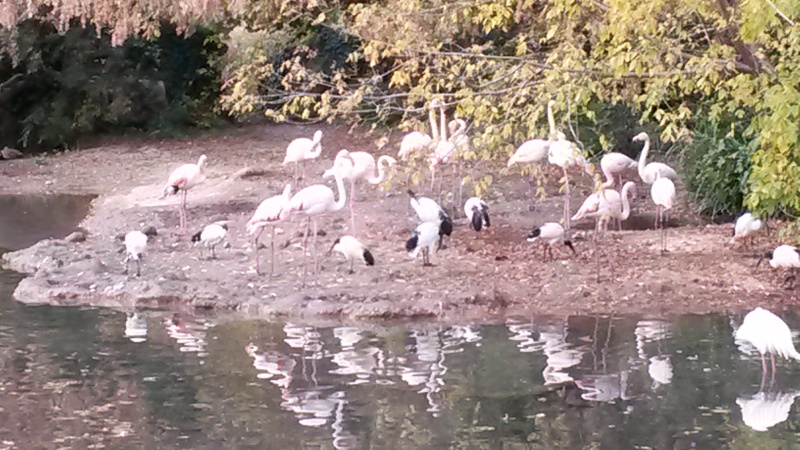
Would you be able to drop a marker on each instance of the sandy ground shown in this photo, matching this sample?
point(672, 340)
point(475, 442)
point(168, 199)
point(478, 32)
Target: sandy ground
point(479, 276)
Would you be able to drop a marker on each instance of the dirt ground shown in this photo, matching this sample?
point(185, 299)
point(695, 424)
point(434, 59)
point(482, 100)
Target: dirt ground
point(478, 277)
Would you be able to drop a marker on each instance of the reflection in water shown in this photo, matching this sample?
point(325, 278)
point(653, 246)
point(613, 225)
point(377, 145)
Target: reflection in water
point(27, 219)
point(651, 336)
point(766, 409)
point(189, 334)
point(136, 327)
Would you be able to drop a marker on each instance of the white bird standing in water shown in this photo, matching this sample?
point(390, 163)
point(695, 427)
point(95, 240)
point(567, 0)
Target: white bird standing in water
point(530, 152)
point(746, 226)
point(477, 213)
point(769, 334)
point(314, 201)
point(211, 236)
point(268, 213)
point(429, 211)
point(649, 173)
point(423, 238)
point(550, 233)
point(354, 166)
point(184, 178)
point(135, 245)
point(663, 193)
point(302, 149)
point(352, 249)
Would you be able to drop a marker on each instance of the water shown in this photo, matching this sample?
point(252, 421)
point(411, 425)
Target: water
point(79, 377)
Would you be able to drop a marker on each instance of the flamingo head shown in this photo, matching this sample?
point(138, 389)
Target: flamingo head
point(317, 136)
point(641, 137)
point(435, 103)
point(202, 161)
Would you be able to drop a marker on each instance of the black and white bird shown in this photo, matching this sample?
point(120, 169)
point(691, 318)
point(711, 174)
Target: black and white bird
point(352, 249)
point(550, 233)
point(429, 211)
point(747, 226)
point(135, 245)
point(783, 257)
point(477, 212)
point(423, 238)
point(211, 236)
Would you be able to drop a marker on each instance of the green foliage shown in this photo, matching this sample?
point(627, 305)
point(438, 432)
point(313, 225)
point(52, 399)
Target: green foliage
point(72, 84)
point(718, 163)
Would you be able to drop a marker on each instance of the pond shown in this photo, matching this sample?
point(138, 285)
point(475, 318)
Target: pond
point(76, 377)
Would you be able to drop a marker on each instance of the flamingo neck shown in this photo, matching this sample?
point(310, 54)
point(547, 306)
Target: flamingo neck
point(643, 157)
point(552, 121)
point(443, 123)
point(342, 193)
point(626, 206)
point(434, 129)
point(381, 170)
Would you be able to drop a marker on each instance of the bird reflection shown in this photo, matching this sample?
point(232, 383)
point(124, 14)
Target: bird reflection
point(766, 409)
point(272, 365)
point(428, 369)
point(604, 388)
point(191, 335)
point(136, 328)
point(649, 335)
point(551, 341)
point(363, 362)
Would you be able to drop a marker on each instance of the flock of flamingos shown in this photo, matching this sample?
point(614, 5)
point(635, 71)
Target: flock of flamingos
point(766, 331)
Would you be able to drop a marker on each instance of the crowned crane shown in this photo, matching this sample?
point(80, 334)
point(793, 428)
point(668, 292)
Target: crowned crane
point(429, 211)
point(135, 245)
point(301, 150)
point(477, 213)
point(210, 236)
point(353, 250)
point(550, 233)
point(184, 178)
point(423, 238)
point(314, 201)
point(269, 212)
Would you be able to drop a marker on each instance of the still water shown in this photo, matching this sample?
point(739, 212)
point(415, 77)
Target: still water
point(75, 378)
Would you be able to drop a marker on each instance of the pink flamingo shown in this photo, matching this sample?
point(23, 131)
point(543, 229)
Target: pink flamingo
point(268, 213)
point(184, 178)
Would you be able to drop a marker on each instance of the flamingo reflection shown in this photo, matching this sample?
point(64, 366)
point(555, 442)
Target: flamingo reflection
point(190, 334)
point(136, 328)
point(766, 409)
point(651, 334)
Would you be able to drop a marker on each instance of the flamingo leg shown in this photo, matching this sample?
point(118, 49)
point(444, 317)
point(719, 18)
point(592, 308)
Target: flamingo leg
point(595, 250)
point(352, 207)
point(272, 254)
point(460, 184)
point(296, 173)
point(305, 249)
point(258, 266)
point(532, 186)
point(304, 172)
point(763, 372)
point(566, 202)
point(316, 262)
point(182, 213)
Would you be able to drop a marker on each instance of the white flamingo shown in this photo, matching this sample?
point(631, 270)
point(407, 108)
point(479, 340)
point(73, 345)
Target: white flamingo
point(269, 212)
point(314, 201)
point(530, 152)
point(650, 172)
point(184, 178)
point(663, 193)
point(301, 150)
point(459, 138)
point(354, 166)
point(769, 334)
point(417, 141)
point(614, 164)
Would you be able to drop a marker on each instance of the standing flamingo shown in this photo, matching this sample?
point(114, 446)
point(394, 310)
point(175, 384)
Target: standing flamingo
point(418, 141)
point(302, 149)
point(314, 201)
point(769, 334)
point(614, 164)
point(184, 178)
point(530, 152)
point(459, 138)
point(444, 149)
point(564, 154)
point(268, 213)
point(663, 193)
point(650, 172)
point(354, 166)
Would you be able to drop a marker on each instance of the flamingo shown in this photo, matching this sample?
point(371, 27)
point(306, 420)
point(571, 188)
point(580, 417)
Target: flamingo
point(423, 238)
point(184, 178)
point(211, 236)
point(314, 201)
point(429, 211)
point(650, 172)
point(550, 233)
point(459, 138)
point(563, 153)
point(268, 213)
point(614, 164)
point(530, 152)
point(477, 213)
point(663, 193)
point(746, 226)
point(783, 257)
point(354, 166)
point(352, 249)
point(419, 141)
point(135, 245)
point(769, 334)
point(444, 148)
point(302, 149)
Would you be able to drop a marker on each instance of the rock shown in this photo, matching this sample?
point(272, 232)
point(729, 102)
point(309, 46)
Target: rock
point(76, 236)
point(10, 153)
point(249, 172)
point(149, 231)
